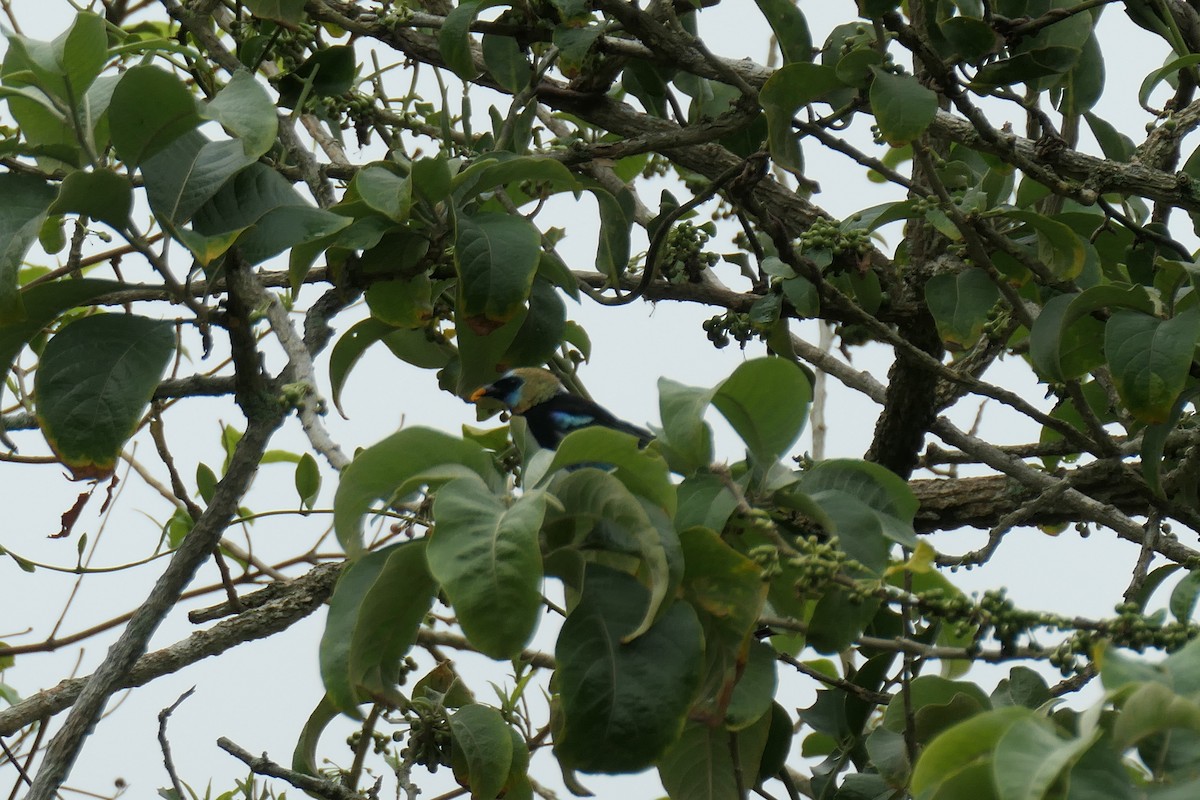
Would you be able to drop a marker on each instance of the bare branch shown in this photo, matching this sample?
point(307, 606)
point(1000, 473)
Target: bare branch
point(261, 765)
point(304, 596)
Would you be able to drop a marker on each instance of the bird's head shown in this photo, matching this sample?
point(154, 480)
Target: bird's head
point(521, 389)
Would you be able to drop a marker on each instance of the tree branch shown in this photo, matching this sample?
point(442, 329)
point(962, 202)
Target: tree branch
point(197, 546)
point(304, 595)
point(261, 765)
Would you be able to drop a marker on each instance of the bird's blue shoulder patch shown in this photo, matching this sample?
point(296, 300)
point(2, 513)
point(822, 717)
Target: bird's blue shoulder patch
point(565, 420)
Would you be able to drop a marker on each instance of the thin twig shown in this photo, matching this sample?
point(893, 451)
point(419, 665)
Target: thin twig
point(261, 765)
point(163, 716)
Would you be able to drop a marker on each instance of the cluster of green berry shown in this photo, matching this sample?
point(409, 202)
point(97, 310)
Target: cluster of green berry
point(863, 37)
point(429, 739)
point(731, 323)
point(826, 234)
point(1070, 656)
point(656, 167)
point(767, 558)
point(683, 257)
point(290, 46)
point(1006, 622)
point(953, 608)
point(379, 741)
point(1132, 628)
point(819, 562)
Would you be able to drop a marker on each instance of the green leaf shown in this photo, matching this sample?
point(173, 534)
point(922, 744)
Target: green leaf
point(42, 304)
point(188, 172)
point(1114, 144)
point(506, 62)
point(935, 704)
point(1085, 82)
point(1050, 337)
point(308, 480)
point(288, 12)
point(348, 350)
point(1058, 247)
point(1030, 758)
point(1118, 669)
point(961, 304)
point(65, 67)
point(497, 257)
point(649, 84)
point(247, 112)
point(778, 744)
point(431, 178)
point(1153, 708)
point(728, 591)
point(94, 383)
point(612, 251)
point(686, 436)
point(328, 72)
point(788, 90)
point(972, 38)
point(454, 39)
point(622, 704)
point(1150, 358)
point(265, 214)
point(1096, 397)
point(486, 556)
point(26, 200)
point(404, 303)
point(502, 169)
point(790, 28)
point(304, 756)
point(847, 486)
point(837, 620)
point(699, 765)
point(399, 465)
point(445, 684)
point(102, 195)
point(419, 348)
point(573, 45)
point(384, 191)
point(722, 582)
point(962, 750)
point(766, 401)
point(206, 482)
point(855, 68)
point(541, 332)
point(704, 501)
point(755, 688)
point(1026, 67)
point(52, 236)
point(598, 505)
point(1184, 596)
point(642, 470)
point(377, 606)
point(150, 108)
point(1022, 687)
point(1159, 75)
point(481, 353)
point(803, 295)
point(903, 108)
point(51, 136)
point(482, 739)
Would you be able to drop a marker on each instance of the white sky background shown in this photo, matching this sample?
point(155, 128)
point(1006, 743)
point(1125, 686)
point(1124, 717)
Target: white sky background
point(259, 694)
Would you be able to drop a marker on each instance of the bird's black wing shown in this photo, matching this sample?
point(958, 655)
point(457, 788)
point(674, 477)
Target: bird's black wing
point(553, 419)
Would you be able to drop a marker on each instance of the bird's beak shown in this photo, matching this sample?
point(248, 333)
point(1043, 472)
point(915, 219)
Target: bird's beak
point(479, 394)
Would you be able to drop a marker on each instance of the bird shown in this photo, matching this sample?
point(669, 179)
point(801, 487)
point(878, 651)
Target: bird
point(549, 409)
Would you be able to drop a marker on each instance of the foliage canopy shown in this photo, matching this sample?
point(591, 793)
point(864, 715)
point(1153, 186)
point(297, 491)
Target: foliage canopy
point(209, 141)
